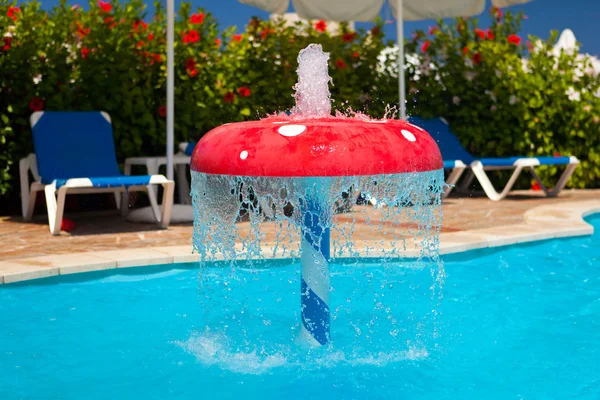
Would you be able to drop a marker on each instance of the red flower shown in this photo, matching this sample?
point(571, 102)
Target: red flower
point(190, 64)
point(489, 34)
point(139, 44)
point(514, 39)
point(140, 24)
point(341, 64)
point(237, 38)
point(557, 154)
point(244, 91)
point(229, 97)
point(151, 37)
point(193, 72)
point(162, 111)
point(111, 21)
point(191, 37)
point(355, 54)
point(7, 42)
point(476, 58)
point(349, 37)
point(84, 52)
point(465, 50)
point(529, 46)
point(12, 11)
point(375, 31)
point(425, 46)
point(81, 31)
point(497, 12)
point(36, 104)
point(218, 42)
point(105, 6)
point(321, 26)
point(480, 33)
point(156, 57)
point(536, 186)
point(433, 30)
point(197, 18)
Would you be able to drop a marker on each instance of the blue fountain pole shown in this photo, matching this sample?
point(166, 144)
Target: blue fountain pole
point(314, 296)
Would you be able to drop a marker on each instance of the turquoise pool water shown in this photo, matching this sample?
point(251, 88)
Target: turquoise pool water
point(521, 322)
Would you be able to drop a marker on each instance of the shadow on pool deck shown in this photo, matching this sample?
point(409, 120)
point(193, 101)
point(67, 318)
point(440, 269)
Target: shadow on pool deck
point(98, 231)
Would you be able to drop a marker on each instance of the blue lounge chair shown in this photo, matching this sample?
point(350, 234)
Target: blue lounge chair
point(74, 154)
point(458, 159)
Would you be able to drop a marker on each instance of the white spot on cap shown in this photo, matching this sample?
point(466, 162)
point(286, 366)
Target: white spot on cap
point(280, 122)
point(408, 135)
point(244, 155)
point(291, 130)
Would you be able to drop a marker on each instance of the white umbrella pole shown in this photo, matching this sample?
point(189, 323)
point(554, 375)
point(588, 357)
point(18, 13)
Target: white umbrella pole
point(400, 34)
point(170, 85)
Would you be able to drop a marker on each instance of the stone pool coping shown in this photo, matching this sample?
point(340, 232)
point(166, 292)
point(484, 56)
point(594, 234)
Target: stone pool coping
point(540, 223)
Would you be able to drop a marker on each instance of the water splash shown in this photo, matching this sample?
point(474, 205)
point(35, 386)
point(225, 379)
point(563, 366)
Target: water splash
point(313, 99)
point(243, 221)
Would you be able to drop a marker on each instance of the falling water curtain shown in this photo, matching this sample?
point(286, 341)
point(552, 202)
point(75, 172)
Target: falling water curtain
point(367, 10)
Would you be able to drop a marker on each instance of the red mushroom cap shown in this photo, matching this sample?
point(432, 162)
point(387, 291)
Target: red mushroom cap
point(285, 147)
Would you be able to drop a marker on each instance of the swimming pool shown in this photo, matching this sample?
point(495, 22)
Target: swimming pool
point(519, 322)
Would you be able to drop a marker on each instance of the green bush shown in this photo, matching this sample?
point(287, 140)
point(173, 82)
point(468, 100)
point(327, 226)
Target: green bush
point(111, 57)
point(504, 96)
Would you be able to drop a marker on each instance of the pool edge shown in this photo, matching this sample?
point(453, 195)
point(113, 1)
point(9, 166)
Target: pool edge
point(544, 222)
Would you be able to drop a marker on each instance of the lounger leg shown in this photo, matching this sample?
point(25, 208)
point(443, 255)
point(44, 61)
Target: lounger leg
point(152, 197)
point(560, 185)
point(31, 198)
point(55, 202)
point(467, 181)
point(152, 168)
point(452, 179)
point(118, 200)
point(564, 178)
point(124, 203)
point(483, 179)
point(183, 186)
point(24, 181)
point(167, 204)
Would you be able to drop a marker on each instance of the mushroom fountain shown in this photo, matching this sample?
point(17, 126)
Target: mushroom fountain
point(286, 177)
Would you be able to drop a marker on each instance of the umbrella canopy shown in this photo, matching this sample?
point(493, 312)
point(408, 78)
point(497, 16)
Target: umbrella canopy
point(367, 10)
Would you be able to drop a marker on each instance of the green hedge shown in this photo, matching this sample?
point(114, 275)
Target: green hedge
point(111, 57)
point(505, 95)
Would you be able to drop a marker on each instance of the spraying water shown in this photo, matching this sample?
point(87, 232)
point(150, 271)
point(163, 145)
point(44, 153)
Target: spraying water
point(313, 99)
point(326, 196)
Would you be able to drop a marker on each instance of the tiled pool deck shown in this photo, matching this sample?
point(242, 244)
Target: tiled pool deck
point(105, 240)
